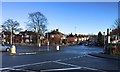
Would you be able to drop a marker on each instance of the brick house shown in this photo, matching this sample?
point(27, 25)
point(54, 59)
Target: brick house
point(72, 38)
point(115, 40)
point(115, 35)
point(30, 37)
point(7, 37)
point(76, 39)
point(26, 37)
point(55, 37)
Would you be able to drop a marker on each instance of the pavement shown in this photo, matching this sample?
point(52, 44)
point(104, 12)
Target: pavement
point(102, 55)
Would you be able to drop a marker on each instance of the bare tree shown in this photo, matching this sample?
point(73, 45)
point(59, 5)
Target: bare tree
point(11, 26)
point(117, 24)
point(37, 22)
point(100, 39)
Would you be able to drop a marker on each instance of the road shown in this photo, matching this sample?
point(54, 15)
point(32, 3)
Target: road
point(69, 58)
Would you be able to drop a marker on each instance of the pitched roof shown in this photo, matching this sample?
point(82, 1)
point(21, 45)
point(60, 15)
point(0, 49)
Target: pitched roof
point(7, 33)
point(115, 32)
point(55, 32)
point(29, 32)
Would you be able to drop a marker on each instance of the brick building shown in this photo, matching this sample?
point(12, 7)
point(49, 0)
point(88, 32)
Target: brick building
point(26, 37)
point(115, 36)
point(55, 37)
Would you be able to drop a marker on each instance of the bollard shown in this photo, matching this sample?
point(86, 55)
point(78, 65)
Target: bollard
point(57, 47)
point(108, 39)
point(39, 45)
point(13, 49)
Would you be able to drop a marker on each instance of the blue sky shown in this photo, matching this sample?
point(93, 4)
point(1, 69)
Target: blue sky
point(86, 17)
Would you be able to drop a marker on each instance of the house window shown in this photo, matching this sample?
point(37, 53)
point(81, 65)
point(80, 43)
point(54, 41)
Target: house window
point(75, 39)
point(26, 40)
point(27, 36)
point(30, 40)
point(52, 36)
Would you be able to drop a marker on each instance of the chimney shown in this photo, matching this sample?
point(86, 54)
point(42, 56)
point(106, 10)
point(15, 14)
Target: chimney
point(107, 32)
point(57, 30)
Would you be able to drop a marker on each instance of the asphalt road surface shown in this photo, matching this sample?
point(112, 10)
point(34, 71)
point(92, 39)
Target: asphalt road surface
point(68, 59)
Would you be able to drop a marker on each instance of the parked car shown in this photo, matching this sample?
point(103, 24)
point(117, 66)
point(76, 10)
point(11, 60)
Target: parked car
point(86, 44)
point(4, 48)
point(80, 43)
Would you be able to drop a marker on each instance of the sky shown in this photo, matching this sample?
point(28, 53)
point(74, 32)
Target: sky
point(68, 17)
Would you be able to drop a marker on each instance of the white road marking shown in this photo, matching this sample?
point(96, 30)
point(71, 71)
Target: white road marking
point(91, 56)
point(23, 65)
point(75, 67)
point(59, 69)
point(94, 69)
point(22, 70)
point(56, 61)
point(32, 64)
point(5, 68)
point(66, 64)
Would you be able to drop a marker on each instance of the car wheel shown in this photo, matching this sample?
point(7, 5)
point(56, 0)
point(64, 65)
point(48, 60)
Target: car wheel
point(7, 49)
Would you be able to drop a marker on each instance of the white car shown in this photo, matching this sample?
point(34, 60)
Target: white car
point(5, 48)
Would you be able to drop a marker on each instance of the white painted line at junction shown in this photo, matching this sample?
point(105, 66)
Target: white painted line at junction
point(93, 69)
point(56, 61)
point(91, 56)
point(60, 69)
point(66, 64)
point(22, 70)
point(77, 57)
point(72, 58)
point(31, 64)
point(7, 68)
point(76, 66)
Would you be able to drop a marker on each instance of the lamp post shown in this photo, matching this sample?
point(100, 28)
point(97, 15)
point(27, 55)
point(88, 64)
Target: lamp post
point(22, 38)
point(108, 41)
point(47, 43)
point(104, 41)
point(3, 38)
point(11, 36)
point(108, 36)
point(40, 41)
point(118, 37)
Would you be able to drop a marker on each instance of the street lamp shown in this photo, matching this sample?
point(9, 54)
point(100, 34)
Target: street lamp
point(108, 36)
point(108, 42)
point(104, 40)
point(22, 38)
point(47, 43)
point(3, 37)
point(11, 36)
